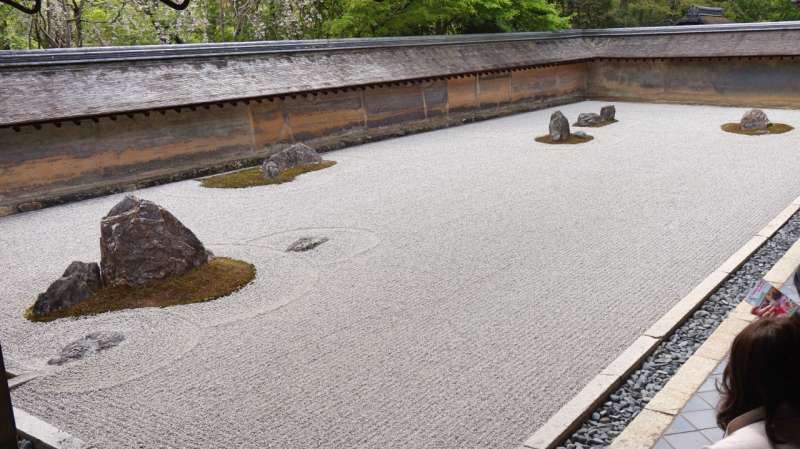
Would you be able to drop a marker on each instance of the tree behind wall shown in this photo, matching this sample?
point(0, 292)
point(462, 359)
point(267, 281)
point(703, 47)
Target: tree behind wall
point(424, 17)
point(75, 23)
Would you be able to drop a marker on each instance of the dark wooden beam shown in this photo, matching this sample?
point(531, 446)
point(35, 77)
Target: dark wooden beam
point(8, 428)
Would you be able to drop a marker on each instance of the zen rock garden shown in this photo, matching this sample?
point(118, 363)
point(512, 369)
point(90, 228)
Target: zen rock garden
point(756, 123)
point(148, 259)
point(278, 168)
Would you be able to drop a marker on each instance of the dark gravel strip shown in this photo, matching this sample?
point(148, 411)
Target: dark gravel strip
point(609, 419)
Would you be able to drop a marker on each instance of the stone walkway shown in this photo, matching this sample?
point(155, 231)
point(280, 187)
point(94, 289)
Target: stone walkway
point(696, 426)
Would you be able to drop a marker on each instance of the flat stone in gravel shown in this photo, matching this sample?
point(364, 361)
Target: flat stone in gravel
point(90, 344)
point(306, 244)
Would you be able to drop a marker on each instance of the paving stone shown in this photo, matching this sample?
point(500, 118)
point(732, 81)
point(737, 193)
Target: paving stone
point(696, 403)
point(662, 444)
point(710, 384)
point(679, 425)
point(713, 435)
point(702, 419)
point(712, 397)
point(643, 431)
point(689, 440)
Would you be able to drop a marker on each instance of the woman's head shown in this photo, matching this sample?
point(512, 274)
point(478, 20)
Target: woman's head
point(764, 363)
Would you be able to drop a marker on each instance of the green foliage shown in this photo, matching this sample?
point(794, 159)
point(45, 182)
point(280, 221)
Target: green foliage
point(77, 23)
point(422, 17)
point(633, 13)
point(587, 14)
point(763, 10)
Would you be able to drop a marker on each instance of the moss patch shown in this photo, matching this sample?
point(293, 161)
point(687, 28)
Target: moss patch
point(219, 277)
point(573, 139)
point(772, 128)
point(599, 125)
point(252, 177)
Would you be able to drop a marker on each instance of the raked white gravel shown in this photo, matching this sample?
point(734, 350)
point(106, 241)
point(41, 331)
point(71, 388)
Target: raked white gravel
point(473, 282)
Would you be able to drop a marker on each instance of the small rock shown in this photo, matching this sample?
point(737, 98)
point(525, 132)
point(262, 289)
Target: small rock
point(29, 206)
point(141, 241)
point(78, 283)
point(754, 119)
point(608, 113)
point(579, 134)
point(559, 127)
point(588, 119)
point(90, 344)
point(270, 169)
point(7, 210)
point(306, 244)
point(24, 444)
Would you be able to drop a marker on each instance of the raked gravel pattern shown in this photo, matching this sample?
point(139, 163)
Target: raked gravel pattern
point(622, 406)
point(473, 282)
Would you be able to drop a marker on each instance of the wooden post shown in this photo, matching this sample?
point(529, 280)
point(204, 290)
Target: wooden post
point(8, 429)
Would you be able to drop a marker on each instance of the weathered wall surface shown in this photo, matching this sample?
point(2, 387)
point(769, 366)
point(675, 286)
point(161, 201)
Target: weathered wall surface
point(50, 163)
point(746, 82)
point(88, 121)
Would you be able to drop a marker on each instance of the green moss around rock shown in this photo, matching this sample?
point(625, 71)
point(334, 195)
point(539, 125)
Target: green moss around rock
point(219, 277)
point(572, 140)
point(772, 128)
point(252, 177)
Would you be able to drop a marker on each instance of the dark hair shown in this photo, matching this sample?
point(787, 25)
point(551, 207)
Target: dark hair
point(762, 371)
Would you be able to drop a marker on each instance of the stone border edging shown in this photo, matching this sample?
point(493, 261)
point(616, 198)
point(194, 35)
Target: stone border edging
point(567, 419)
point(42, 434)
point(647, 427)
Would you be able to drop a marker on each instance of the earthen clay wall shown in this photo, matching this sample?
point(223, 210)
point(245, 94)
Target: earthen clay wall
point(72, 126)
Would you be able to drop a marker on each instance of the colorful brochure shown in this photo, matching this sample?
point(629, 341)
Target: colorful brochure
point(768, 300)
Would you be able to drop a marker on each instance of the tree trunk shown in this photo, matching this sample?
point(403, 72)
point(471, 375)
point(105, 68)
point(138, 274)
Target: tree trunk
point(222, 20)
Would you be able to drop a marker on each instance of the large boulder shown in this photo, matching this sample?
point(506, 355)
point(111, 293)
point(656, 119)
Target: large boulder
point(78, 283)
point(588, 119)
point(295, 155)
point(754, 119)
point(141, 241)
point(608, 113)
point(559, 127)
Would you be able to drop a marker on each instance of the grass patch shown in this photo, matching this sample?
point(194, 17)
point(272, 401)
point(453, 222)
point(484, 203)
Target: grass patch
point(772, 128)
point(599, 125)
point(252, 177)
point(573, 139)
point(219, 277)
